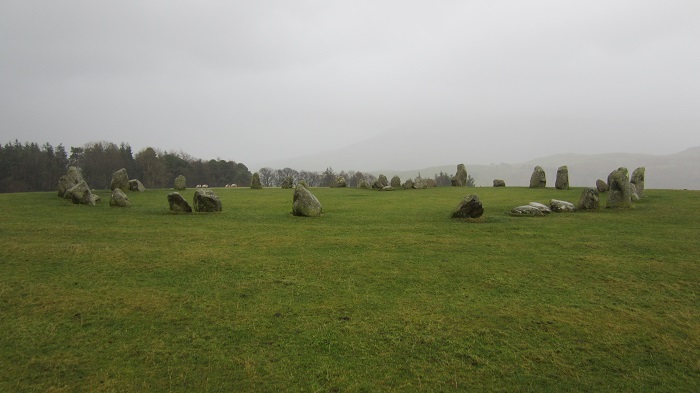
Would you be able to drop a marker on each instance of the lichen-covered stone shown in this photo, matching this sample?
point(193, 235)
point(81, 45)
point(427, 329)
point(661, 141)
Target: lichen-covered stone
point(590, 199)
point(542, 207)
point(499, 183)
point(136, 185)
point(68, 181)
point(601, 186)
point(377, 185)
point(633, 193)
point(561, 206)
point(538, 178)
point(460, 178)
point(340, 182)
point(288, 182)
point(562, 180)
point(180, 183)
point(395, 182)
point(420, 184)
point(619, 189)
point(81, 194)
point(430, 183)
point(119, 199)
point(469, 207)
point(388, 188)
point(382, 179)
point(363, 184)
point(178, 203)
point(255, 182)
point(120, 179)
point(206, 201)
point(637, 179)
point(305, 203)
point(408, 184)
point(526, 211)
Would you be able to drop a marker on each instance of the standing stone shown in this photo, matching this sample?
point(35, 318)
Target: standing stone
point(120, 179)
point(460, 178)
point(469, 207)
point(395, 182)
point(136, 185)
point(561, 206)
point(255, 182)
point(638, 180)
point(589, 200)
point(180, 183)
point(562, 180)
point(178, 203)
point(601, 186)
point(420, 184)
point(538, 178)
point(430, 183)
point(119, 199)
point(80, 193)
point(363, 184)
point(377, 185)
point(305, 203)
point(206, 201)
point(619, 185)
point(499, 183)
point(408, 184)
point(340, 183)
point(68, 181)
point(382, 179)
point(633, 193)
point(288, 182)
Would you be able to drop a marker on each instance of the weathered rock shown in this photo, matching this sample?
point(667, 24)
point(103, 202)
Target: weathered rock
point(68, 181)
point(460, 178)
point(562, 180)
point(206, 201)
point(538, 178)
point(305, 203)
point(388, 188)
point(382, 179)
point(542, 207)
point(180, 183)
point(81, 193)
point(302, 182)
point(469, 207)
point(178, 203)
point(637, 179)
point(136, 185)
point(420, 184)
point(120, 179)
point(255, 182)
point(364, 184)
point(288, 182)
point(430, 183)
point(526, 210)
point(377, 185)
point(499, 183)
point(561, 206)
point(633, 193)
point(119, 199)
point(601, 186)
point(408, 184)
point(589, 200)
point(619, 189)
point(395, 182)
point(340, 182)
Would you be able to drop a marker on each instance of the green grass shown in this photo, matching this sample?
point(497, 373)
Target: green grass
point(383, 293)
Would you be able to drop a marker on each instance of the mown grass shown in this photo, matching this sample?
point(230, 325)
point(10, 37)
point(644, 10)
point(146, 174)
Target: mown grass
point(383, 293)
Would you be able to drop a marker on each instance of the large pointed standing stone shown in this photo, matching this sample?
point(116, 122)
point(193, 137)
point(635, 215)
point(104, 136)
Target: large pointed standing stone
point(180, 183)
point(120, 179)
point(538, 178)
point(619, 188)
point(589, 200)
point(460, 178)
point(178, 203)
point(206, 201)
point(562, 181)
point(119, 199)
point(638, 180)
point(305, 203)
point(469, 207)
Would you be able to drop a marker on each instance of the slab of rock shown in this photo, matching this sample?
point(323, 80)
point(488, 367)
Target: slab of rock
point(499, 183)
point(562, 180)
point(637, 179)
point(601, 186)
point(255, 182)
point(81, 194)
point(619, 189)
point(542, 207)
point(305, 203)
point(178, 203)
point(119, 199)
point(180, 183)
point(206, 201)
point(395, 182)
point(120, 179)
point(538, 178)
point(526, 211)
point(68, 181)
point(388, 188)
point(469, 207)
point(589, 200)
point(561, 206)
point(460, 178)
point(136, 185)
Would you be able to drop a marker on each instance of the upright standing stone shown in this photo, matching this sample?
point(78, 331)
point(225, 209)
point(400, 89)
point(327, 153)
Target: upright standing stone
point(340, 182)
point(562, 181)
point(255, 182)
point(499, 183)
point(180, 183)
point(382, 179)
point(120, 179)
point(408, 184)
point(395, 182)
point(638, 180)
point(469, 207)
point(119, 199)
point(288, 182)
point(601, 186)
point(589, 200)
point(305, 203)
point(206, 201)
point(178, 203)
point(460, 178)
point(136, 185)
point(420, 184)
point(538, 178)
point(68, 181)
point(363, 184)
point(619, 188)
point(81, 193)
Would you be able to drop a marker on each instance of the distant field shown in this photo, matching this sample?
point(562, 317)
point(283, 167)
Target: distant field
point(383, 293)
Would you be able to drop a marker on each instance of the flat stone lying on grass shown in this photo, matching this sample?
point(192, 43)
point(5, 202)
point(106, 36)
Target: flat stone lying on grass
point(120, 179)
point(180, 183)
point(305, 203)
point(619, 189)
point(81, 194)
point(526, 211)
point(387, 188)
point(589, 200)
point(469, 207)
point(206, 201)
point(136, 185)
point(538, 179)
point(542, 207)
point(119, 199)
point(178, 203)
point(601, 186)
point(561, 206)
point(499, 183)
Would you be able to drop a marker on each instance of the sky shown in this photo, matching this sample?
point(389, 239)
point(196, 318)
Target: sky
point(265, 81)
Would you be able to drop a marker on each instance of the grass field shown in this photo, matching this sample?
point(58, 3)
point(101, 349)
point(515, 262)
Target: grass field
point(383, 293)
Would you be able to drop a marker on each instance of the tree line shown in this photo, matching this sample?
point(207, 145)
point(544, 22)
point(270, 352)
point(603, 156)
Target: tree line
point(275, 177)
point(27, 167)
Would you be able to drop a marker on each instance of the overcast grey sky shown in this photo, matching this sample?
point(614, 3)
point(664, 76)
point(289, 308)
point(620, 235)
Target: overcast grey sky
point(259, 81)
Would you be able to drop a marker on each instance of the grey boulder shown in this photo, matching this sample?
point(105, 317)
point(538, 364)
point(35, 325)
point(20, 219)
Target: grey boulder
point(305, 203)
